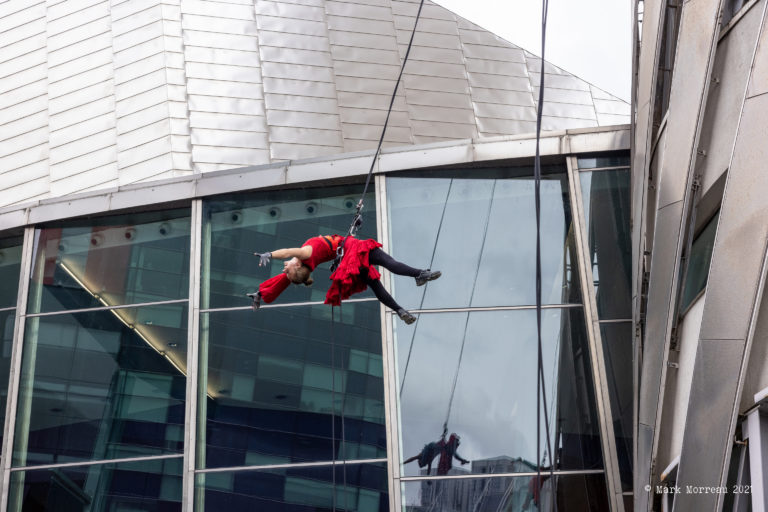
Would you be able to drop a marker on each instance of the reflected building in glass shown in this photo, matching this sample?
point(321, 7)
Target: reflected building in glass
point(134, 374)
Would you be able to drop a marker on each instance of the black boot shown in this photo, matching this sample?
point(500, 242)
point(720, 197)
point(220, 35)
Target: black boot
point(406, 316)
point(427, 275)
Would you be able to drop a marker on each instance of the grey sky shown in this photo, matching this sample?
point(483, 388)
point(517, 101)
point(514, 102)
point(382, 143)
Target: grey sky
point(588, 38)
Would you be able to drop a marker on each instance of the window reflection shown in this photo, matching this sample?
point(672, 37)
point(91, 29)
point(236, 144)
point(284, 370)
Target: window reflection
point(126, 259)
point(492, 356)
point(239, 225)
point(698, 263)
point(480, 232)
point(150, 486)
point(101, 385)
point(574, 493)
point(7, 322)
point(617, 350)
point(10, 266)
point(606, 210)
point(358, 487)
point(280, 380)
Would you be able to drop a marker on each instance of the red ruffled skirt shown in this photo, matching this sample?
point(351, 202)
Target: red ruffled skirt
point(347, 279)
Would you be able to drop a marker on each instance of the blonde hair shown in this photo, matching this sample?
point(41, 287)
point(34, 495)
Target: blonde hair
point(304, 276)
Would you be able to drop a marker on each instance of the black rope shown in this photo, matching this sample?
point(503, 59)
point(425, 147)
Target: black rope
point(541, 393)
point(357, 220)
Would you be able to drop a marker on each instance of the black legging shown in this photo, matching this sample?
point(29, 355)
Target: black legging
point(379, 257)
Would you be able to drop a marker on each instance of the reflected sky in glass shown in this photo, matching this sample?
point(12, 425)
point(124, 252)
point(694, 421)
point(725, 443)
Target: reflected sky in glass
point(481, 234)
point(493, 408)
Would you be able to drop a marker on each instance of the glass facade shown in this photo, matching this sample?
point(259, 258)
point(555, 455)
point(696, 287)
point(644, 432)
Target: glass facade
point(604, 183)
point(293, 405)
point(359, 487)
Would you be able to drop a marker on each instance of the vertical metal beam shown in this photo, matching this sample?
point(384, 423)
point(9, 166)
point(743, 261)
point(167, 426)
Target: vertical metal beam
point(605, 415)
point(27, 258)
point(193, 323)
point(388, 357)
point(735, 290)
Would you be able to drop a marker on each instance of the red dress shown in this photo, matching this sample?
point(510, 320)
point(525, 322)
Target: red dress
point(346, 280)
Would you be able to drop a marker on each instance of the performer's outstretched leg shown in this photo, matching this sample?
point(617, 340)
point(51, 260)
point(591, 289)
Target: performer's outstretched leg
point(379, 257)
point(386, 299)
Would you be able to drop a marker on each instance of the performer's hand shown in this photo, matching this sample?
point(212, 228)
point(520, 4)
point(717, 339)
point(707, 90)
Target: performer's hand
point(464, 461)
point(264, 258)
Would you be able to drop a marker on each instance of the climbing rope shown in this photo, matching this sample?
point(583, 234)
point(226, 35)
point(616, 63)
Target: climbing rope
point(541, 394)
point(357, 219)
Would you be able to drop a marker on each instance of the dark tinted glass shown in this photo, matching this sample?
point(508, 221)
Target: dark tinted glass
point(278, 381)
point(10, 266)
point(698, 263)
point(149, 486)
point(126, 259)
point(481, 233)
point(606, 210)
point(358, 487)
point(492, 358)
point(597, 162)
point(7, 321)
point(237, 226)
point(617, 351)
point(102, 385)
point(574, 493)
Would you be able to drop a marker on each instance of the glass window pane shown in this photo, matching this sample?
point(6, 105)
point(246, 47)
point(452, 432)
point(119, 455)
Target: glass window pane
point(10, 266)
point(7, 321)
point(149, 486)
point(698, 263)
point(239, 225)
point(493, 408)
point(276, 387)
point(101, 385)
point(359, 487)
point(597, 162)
point(606, 210)
point(110, 261)
point(481, 233)
point(574, 493)
point(617, 350)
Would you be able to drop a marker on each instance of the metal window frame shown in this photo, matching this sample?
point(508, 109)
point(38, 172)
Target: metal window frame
point(599, 376)
point(193, 337)
point(16, 353)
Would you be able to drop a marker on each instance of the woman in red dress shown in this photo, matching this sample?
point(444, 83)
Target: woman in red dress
point(354, 274)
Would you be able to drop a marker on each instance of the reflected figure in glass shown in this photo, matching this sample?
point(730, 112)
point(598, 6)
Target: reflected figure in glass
point(353, 270)
point(446, 449)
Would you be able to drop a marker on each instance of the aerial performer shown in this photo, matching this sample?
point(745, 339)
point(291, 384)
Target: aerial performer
point(446, 449)
point(354, 273)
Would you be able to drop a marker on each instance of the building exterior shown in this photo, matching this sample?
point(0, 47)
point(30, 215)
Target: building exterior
point(150, 147)
point(699, 232)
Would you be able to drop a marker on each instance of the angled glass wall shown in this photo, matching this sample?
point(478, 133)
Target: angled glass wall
point(604, 184)
point(104, 363)
point(296, 381)
point(467, 369)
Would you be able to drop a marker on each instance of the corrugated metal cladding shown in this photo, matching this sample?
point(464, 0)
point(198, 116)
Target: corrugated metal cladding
point(101, 93)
